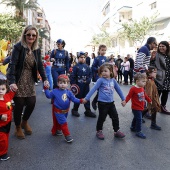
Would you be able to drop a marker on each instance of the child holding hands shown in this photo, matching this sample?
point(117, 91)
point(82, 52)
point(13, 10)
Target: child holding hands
point(5, 118)
point(137, 96)
point(106, 85)
point(61, 97)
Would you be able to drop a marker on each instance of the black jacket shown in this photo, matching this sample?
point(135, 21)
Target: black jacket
point(17, 63)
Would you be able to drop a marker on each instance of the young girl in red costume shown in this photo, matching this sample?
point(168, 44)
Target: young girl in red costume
point(5, 118)
point(61, 97)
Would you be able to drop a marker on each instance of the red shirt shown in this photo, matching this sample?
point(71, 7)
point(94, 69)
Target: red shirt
point(6, 107)
point(138, 97)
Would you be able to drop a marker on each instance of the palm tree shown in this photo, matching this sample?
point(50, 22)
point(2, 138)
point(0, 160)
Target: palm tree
point(43, 34)
point(21, 5)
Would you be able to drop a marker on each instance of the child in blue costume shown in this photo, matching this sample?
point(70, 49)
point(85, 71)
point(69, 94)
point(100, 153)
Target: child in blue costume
point(106, 86)
point(61, 97)
point(60, 60)
point(98, 61)
point(81, 76)
point(47, 66)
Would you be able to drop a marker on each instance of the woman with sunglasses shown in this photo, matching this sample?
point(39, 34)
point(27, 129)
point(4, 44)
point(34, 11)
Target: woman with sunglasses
point(25, 62)
point(162, 63)
point(60, 60)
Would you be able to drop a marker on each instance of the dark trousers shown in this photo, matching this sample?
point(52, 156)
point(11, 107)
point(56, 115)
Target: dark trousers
point(126, 76)
point(163, 94)
point(119, 76)
point(104, 110)
point(131, 75)
point(20, 102)
point(84, 89)
point(153, 117)
point(137, 120)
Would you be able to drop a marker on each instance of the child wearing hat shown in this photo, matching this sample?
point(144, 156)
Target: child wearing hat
point(81, 76)
point(61, 97)
point(47, 66)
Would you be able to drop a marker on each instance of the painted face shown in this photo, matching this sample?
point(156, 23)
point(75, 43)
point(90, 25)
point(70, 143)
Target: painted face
point(102, 51)
point(82, 59)
point(162, 48)
point(105, 73)
point(62, 85)
point(141, 82)
point(30, 36)
point(3, 90)
point(153, 74)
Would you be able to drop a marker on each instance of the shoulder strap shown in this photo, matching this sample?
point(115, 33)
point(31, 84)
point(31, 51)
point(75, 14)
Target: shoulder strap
point(55, 51)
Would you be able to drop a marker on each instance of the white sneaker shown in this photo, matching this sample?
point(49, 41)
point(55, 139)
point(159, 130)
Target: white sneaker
point(36, 84)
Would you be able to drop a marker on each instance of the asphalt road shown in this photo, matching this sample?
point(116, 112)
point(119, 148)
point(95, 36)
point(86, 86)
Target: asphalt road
point(42, 151)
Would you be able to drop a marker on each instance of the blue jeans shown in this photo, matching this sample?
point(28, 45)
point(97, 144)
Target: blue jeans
point(50, 79)
point(55, 73)
point(126, 76)
point(137, 120)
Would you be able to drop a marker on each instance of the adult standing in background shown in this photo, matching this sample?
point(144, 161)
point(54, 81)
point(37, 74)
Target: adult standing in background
point(162, 63)
point(126, 65)
point(25, 62)
point(119, 72)
point(60, 60)
point(143, 55)
point(131, 61)
point(87, 59)
point(71, 59)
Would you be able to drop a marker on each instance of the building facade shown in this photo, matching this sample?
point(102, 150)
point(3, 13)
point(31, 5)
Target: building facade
point(115, 12)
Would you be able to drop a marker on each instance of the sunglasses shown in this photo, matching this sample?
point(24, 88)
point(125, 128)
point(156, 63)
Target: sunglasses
point(29, 35)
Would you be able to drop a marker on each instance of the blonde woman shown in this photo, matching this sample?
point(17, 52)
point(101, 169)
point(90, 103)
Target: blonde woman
point(22, 75)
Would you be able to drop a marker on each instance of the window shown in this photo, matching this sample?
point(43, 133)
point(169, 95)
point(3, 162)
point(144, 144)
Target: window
point(153, 5)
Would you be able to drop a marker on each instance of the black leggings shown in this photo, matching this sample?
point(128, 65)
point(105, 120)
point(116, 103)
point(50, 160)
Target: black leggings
point(164, 96)
point(20, 102)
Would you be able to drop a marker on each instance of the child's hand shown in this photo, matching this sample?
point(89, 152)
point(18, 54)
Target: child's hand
point(84, 101)
point(4, 117)
point(123, 103)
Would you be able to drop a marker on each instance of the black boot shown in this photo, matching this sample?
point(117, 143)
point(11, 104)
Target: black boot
point(75, 113)
point(164, 110)
point(155, 126)
point(89, 113)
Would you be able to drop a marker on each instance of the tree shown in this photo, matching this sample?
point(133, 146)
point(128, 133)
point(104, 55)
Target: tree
point(21, 5)
point(43, 34)
point(102, 38)
point(10, 27)
point(136, 31)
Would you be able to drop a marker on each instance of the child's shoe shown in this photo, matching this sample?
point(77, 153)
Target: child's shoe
point(119, 134)
point(89, 113)
point(75, 113)
point(155, 126)
point(59, 133)
point(4, 157)
point(100, 135)
point(141, 135)
point(68, 139)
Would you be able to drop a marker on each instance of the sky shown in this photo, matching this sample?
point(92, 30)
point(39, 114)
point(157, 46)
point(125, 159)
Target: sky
point(74, 21)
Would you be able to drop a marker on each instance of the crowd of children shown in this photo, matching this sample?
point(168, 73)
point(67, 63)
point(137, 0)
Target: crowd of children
point(106, 85)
